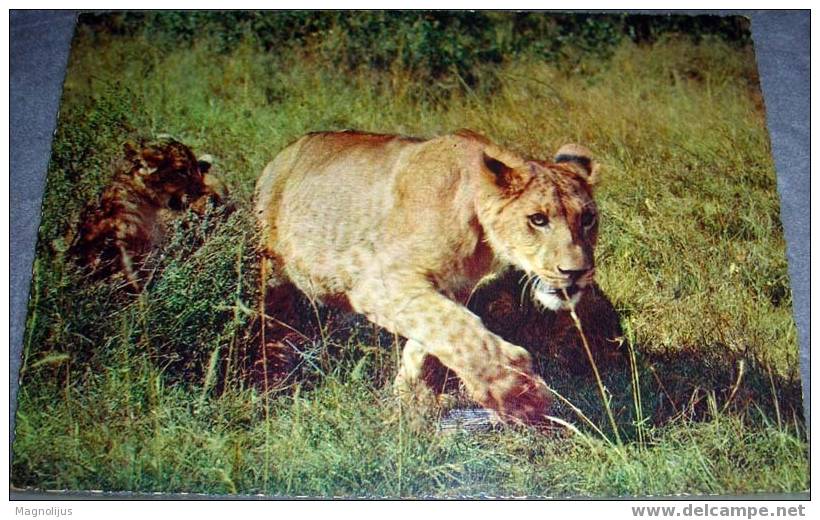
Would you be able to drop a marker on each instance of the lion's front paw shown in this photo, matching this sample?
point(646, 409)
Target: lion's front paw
point(524, 399)
point(516, 393)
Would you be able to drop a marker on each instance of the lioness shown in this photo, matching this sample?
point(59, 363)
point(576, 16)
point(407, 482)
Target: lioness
point(404, 228)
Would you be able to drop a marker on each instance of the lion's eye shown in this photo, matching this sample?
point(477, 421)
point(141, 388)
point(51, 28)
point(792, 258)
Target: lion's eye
point(538, 219)
point(587, 219)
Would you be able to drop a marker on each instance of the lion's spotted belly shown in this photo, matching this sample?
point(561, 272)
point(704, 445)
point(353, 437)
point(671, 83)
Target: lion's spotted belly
point(320, 265)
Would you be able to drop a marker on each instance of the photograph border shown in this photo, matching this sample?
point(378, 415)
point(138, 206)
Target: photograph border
point(38, 60)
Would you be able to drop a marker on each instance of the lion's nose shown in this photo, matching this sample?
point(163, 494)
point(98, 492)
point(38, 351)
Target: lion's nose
point(573, 274)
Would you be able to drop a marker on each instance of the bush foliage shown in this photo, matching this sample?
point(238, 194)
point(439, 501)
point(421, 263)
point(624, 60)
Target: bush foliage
point(432, 46)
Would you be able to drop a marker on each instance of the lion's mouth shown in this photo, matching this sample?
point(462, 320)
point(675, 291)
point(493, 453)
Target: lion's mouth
point(556, 298)
point(567, 292)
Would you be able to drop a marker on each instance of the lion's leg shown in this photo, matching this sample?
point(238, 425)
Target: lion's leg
point(422, 381)
point(412, 361)
point(412, 384)
point(497, 374)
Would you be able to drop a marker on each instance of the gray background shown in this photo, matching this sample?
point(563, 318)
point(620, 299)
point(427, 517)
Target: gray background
point(39, 46)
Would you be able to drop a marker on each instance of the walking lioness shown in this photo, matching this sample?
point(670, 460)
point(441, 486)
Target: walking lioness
point(403, 229)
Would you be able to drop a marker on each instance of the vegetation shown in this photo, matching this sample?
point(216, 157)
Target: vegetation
point(159, 393)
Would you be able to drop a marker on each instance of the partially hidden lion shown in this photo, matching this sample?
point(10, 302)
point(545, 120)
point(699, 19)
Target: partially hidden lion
point(402, 229)
point(118, 231)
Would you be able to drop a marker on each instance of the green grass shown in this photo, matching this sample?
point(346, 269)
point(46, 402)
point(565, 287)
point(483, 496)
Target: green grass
point(156, 393)
point(129, 431)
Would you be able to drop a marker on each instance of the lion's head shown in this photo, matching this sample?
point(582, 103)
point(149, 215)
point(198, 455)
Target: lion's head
point(541, 217)
point(169, 170)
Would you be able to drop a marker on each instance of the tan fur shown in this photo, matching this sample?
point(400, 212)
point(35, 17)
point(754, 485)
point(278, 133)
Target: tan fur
point(404, 229)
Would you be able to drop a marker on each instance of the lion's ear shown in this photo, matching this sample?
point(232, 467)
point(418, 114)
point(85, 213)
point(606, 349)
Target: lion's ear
point(579, 158)
point(204, 163)
point(505, 168)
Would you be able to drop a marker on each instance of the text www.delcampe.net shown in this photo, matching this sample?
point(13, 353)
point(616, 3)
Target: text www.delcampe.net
point(719, 511)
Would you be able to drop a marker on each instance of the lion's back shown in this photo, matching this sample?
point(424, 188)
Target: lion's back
point(324, 180)
point(321, 202)
point(331, 202)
